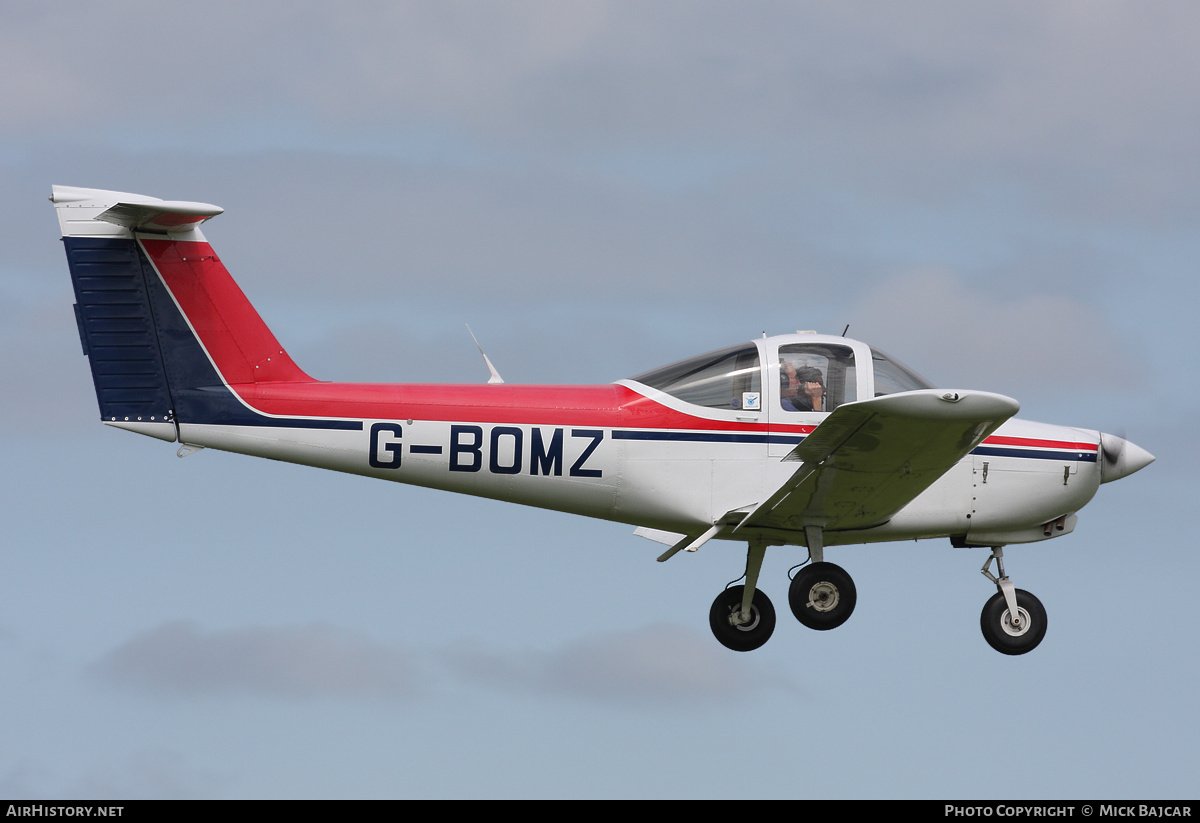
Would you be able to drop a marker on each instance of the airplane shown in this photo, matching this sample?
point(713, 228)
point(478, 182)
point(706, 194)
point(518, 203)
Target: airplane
point(803, 440)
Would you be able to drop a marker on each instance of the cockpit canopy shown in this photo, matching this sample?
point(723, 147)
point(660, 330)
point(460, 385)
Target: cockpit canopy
point(812, 373)
point(718, 380)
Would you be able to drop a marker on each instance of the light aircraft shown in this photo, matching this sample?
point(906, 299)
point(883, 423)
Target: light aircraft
point(796, 440)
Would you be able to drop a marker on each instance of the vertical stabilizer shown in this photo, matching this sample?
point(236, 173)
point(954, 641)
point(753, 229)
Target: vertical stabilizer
point(167, 331)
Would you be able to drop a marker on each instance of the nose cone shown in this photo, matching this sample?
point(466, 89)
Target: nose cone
point(1119, 457)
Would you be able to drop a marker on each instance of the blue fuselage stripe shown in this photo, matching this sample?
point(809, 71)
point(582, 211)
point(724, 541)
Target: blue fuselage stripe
point(992, 451)
point(691, 437)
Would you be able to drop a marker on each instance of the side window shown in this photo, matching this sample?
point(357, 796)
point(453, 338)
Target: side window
point(816, 377)
point(726, 379)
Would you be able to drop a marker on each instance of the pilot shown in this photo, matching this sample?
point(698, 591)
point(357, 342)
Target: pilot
point(801, 388)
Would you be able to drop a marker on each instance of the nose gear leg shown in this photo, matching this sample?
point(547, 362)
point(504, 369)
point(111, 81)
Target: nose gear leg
point(1003, 584)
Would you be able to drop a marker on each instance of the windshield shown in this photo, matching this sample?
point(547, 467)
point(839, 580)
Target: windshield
point(725, 379)
point(892, 376)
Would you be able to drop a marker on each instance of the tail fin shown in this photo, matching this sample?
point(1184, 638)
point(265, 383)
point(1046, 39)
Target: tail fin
point(166, 330)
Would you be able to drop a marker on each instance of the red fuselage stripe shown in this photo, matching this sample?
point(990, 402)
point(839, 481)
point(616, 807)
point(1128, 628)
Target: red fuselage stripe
point(609, 406)
point(1033, 443)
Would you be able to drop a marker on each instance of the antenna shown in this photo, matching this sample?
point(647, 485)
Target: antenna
point(495, 375)
point(845, 330)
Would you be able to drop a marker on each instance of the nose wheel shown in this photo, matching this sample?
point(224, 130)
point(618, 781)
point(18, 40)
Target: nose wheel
point(1009, 635)
point(1013, 620)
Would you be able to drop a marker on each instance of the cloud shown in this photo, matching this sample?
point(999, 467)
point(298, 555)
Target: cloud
point(177, 659)
point(661, 663)
point(922, 82)
point(969, 338)
point(156, 773)
point(411, 57)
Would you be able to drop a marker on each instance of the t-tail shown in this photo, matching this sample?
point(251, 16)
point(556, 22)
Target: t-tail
point(166, 330)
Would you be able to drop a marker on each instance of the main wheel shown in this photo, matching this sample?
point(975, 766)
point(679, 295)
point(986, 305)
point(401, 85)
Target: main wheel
point(746, 637)
point(822, 596)
point(999, 631)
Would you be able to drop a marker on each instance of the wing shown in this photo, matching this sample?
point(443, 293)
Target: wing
point(868, 460)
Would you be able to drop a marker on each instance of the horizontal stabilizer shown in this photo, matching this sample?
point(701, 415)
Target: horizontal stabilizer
point(98, 212)
point(165, 216)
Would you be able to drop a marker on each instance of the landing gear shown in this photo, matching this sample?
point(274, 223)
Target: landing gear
point(1013, 620)
point(726, 619)
point(742, 618)
point(1009, 635)
point(822, 596)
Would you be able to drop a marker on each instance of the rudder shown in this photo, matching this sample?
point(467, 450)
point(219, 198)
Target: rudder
point(118, 333)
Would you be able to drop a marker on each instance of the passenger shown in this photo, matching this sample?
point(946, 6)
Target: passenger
point(801, 388)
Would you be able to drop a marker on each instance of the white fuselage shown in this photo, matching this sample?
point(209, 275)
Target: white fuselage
point(681, 480)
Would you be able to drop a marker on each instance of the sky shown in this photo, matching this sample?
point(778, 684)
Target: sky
point(1003, 195)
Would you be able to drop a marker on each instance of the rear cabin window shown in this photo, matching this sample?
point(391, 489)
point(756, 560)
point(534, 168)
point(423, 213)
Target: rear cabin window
point(725, 379)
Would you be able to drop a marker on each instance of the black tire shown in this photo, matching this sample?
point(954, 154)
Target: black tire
point(822, 596)
point(997, 625)
point(741, 638)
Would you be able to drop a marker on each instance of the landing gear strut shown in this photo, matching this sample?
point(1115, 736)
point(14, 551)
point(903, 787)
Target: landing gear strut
point(1013, 620)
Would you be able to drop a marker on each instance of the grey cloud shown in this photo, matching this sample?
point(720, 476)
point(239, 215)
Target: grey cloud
point(797, 135)
point(159, 774)
point(417, 57)
point(661, 663)
point(177, 659)
point(656, 664)
point(982, 79)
